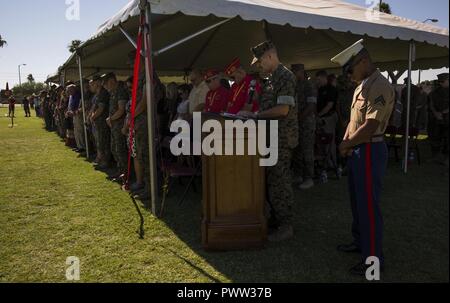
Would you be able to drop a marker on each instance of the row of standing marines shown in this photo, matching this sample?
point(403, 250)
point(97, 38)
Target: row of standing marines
point(287, 96)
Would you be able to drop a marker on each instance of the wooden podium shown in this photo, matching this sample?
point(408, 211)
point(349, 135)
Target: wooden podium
point(233, 199)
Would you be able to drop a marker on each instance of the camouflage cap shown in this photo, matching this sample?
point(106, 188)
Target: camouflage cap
point(260, 49)
point(442, 77)
point(96, 78)
point(297, 67)
point(107, 76)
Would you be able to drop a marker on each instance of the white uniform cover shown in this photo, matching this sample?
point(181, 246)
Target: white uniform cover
point(305, 31)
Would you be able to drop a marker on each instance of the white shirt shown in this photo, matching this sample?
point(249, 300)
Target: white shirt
point(183, 107)
point(197, 96)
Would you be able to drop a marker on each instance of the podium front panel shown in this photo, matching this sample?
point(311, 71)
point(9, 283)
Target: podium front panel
point(233, 202)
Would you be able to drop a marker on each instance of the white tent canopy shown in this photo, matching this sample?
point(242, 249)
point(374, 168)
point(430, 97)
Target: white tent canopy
point(307, 31)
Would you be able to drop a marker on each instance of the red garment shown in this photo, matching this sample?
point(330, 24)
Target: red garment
point(239, 95)
point(216, 100)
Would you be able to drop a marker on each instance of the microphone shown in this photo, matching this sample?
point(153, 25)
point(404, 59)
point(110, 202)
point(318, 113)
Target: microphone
point(251, 91)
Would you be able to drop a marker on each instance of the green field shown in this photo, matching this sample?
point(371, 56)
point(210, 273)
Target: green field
point(53, 205)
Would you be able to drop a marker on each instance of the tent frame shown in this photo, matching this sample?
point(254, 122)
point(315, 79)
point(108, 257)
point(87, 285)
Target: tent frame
point(145, 9)
point(86, 142)
point(411, 56)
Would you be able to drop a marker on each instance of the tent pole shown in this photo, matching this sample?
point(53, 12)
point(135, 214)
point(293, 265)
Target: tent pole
point(86, 142)
point(159, 52)
point(130, 39)
point(127, 36)
point(200, 52)
point(145, 5)
point(410, 59)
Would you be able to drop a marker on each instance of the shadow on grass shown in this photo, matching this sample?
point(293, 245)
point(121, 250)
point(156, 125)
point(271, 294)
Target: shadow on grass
point(140, 231)
point(193, 266)
point(323, 220)
point(415, 209)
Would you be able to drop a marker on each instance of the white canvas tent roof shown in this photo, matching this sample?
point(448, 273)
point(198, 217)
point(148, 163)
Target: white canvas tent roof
point(307, 31)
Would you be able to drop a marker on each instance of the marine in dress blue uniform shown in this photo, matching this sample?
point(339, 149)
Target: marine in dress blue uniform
point(363, 144)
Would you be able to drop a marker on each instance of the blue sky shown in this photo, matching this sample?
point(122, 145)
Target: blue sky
point(40, 34)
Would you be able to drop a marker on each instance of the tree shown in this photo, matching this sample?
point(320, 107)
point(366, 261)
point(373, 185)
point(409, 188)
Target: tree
point(74, 45)
point(30, 78)
point(384, 8)
point(28, 89)
point(395, 76)
point(2, 42)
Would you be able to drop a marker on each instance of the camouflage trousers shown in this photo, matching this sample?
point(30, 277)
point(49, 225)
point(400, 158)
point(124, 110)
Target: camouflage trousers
point(119, 147)
point(303, 155)
point(78, 128)
point(142, 152)
point(103, 140)
point(279, 187)
point(438, 134)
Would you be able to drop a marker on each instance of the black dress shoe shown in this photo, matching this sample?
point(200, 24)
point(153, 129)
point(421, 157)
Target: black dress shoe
point(349, 248)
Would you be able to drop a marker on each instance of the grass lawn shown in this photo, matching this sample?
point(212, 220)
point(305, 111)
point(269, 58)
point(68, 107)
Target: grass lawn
point(53, 205)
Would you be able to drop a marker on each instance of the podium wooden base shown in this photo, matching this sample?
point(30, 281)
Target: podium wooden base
point(233, 201)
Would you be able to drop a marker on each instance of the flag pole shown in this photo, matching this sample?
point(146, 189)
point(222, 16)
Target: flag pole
point(146, 9)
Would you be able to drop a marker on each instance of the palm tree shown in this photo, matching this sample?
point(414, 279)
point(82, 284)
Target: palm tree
point(74, 45)
point(30, 78)
point(2, 42)
point(385, 8)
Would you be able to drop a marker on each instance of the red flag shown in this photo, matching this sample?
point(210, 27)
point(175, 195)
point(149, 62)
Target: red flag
point(137, 63)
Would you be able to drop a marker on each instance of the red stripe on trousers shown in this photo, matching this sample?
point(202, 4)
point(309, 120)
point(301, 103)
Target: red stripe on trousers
point(369, 191)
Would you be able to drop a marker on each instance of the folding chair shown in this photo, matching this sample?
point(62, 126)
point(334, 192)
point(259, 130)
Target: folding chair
point(414, 141)
point(182, 167)
point(392, 142)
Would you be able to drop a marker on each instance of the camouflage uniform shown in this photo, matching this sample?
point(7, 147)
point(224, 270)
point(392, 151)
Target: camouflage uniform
point(118, 140)
point(344, 103)
point(141, 132)
point(438, 129)
point(280, 89)
point(141, 126)
point(103, 133)
point(415, 99)
point(88, 105)
point(303, 157)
